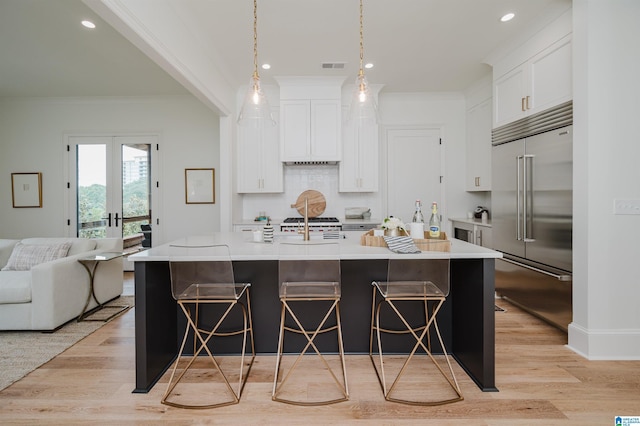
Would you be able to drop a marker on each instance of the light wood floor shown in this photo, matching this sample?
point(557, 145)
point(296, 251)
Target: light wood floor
point(541, 382)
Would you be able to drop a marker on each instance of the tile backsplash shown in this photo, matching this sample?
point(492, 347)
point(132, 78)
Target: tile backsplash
point(299, 178)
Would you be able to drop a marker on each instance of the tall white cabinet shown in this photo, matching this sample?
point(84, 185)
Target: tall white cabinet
point(478, 148)
point(258, 166)
point(359, 165)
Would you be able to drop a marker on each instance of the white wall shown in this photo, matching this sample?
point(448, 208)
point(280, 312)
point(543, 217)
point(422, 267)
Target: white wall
point(606, 287)
point(32, 140)
point(446, 111)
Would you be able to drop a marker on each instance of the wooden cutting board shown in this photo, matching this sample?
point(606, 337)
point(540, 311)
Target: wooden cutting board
point(316, 203)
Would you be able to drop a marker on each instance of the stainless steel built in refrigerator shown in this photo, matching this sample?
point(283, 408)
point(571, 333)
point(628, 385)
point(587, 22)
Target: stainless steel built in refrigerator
point(532, 214)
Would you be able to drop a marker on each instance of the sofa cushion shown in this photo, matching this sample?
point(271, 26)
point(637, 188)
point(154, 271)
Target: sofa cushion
point(15, 287)
point(78, 245)
point(6, 247)
point(24, 256)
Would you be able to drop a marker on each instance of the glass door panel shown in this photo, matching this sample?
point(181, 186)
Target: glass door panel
point(91, 204)
point(136, 188)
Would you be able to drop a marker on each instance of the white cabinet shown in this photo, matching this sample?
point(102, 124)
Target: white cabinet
point(258, 165)
point(310, 130)
point(479, 147)
point(359, 165)
point(544, 81)
point(483, 236)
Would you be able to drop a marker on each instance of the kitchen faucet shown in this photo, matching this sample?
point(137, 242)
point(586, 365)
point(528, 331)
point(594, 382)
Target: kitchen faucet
point(305, 230)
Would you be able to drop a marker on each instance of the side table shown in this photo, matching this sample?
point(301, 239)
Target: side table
point(91, 263)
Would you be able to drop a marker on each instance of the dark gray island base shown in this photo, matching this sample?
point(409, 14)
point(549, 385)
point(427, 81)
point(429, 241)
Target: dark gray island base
point(467, 320)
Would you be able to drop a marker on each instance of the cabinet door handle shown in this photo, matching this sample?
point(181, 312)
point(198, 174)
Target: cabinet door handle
point(477, 180)
point(527, 102)
point(522, 104)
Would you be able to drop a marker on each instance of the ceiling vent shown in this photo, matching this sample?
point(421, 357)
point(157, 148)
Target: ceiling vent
point(333, 65)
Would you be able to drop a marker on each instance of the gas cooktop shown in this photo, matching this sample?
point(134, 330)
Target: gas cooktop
point(312, 220)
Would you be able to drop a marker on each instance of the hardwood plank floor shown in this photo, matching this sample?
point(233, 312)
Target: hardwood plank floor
point(541, 382)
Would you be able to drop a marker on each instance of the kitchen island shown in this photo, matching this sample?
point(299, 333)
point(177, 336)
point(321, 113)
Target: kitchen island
point(466, 320)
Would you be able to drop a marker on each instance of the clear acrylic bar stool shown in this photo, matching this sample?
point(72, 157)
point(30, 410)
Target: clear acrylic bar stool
point(412, 282)
point(195, 283)
point(309, 272)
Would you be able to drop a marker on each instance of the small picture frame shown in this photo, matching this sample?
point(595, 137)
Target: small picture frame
point(199, 186)
point(26, 190)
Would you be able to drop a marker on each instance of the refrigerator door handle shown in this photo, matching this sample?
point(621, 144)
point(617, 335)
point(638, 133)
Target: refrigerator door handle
point(559, 277)
point(519, 158)
point(527, 207)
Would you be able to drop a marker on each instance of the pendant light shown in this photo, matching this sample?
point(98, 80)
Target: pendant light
point(255, 111)
point(363, 106)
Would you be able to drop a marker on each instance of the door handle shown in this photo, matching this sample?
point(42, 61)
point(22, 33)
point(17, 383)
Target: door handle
point(108, 220)
point(117, 219)
point(527, 206)
point(559, 277)
point(518, 199)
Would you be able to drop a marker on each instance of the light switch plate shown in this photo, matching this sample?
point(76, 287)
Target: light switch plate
point(626, 206)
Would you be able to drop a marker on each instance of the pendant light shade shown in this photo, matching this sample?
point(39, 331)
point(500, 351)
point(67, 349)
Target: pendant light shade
point(255, 110)
point(363, 105)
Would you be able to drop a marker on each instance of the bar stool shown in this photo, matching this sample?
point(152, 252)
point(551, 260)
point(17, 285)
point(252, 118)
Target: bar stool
point(195, 283)
point(309, 272)
point(411, 282)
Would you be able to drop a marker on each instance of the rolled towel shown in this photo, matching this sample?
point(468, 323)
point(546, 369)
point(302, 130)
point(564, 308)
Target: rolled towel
point(402, 244)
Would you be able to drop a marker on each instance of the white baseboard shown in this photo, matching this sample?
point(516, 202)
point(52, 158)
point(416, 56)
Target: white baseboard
point(618, 344)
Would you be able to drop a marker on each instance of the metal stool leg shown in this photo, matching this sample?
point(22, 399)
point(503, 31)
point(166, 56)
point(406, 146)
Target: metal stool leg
point(201, 339)
point(310, 335)
point(424, 331)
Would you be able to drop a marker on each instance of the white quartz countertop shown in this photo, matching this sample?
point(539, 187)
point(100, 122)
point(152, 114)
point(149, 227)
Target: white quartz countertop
point(349, 248)
point(472, 221)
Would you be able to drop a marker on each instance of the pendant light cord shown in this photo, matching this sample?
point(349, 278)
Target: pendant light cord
point(361, 72)
point(255, 40)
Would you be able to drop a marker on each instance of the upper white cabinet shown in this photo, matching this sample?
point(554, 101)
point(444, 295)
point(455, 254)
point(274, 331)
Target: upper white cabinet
point(259, 167)
point(543, 81)
point(310, 119)
point(479, 147)
point(359, 165)
point(310, 130)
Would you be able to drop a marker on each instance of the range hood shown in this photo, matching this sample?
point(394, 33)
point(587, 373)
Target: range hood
point(310, 163)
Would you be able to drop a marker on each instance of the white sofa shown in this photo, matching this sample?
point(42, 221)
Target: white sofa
point(51, 293)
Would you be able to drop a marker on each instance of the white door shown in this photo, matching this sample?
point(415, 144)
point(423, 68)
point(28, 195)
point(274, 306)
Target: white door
point(110, 190)
point(413, 171)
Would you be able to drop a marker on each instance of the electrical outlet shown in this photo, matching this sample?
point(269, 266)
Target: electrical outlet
point(626, 206)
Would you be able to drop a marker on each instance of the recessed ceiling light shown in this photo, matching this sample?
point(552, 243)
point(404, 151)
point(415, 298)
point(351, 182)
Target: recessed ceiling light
point(509, 16)
point(369, 65)
point(266, 66)
point(88, 24)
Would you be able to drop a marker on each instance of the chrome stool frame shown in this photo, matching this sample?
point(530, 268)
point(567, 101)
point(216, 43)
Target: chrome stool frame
point(317, 280)
point(199, 282)
point(426, 292)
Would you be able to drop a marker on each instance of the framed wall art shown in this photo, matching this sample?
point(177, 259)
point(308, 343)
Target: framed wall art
point(199, 186)
point(26, 189)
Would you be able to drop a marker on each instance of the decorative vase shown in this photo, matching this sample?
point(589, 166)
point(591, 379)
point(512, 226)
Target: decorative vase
point(392, 232)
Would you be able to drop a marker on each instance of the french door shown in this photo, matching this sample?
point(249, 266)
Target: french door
point(110, 190)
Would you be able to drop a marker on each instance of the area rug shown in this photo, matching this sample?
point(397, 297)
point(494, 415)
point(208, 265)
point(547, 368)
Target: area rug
point(23, 351)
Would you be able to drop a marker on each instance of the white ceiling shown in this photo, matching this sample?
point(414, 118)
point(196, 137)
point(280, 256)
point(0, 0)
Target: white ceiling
point(416, 45)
